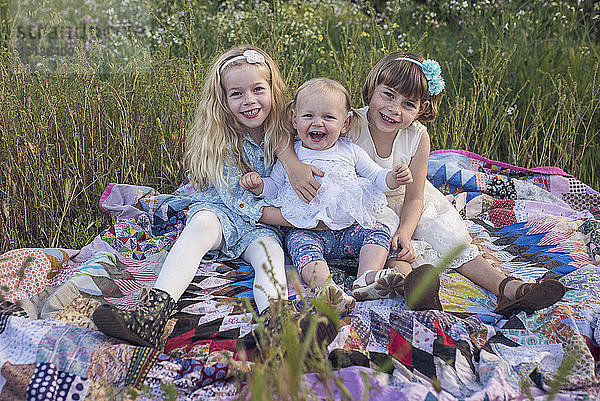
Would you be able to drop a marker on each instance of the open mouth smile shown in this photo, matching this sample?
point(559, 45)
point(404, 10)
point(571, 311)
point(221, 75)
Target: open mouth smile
point(251, 113)
point(316, 136)
point(387, 119)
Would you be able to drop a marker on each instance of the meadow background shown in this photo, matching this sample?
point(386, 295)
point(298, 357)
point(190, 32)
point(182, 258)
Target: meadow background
point(522, 87)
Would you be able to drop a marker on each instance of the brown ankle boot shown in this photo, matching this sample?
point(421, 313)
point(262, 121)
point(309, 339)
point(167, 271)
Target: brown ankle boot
point(429, 297)
point(143, 325)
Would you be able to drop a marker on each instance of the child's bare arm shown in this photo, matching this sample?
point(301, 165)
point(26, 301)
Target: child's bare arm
point(272, 215)
point(400, 175)
point(252, 182)
point(410, 214)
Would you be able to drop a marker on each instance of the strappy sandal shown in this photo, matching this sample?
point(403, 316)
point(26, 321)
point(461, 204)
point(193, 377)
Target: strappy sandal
point(341, 302)
point(426, 298)
point(387, 283)
point(529, 297)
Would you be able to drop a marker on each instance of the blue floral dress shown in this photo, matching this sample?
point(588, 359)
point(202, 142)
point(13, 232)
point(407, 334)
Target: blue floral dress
point(238, 210)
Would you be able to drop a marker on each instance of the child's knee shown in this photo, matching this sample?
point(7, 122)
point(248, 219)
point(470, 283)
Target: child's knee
point(204, 220)
point(315, 265)
point(313, 268)
point(273, 247)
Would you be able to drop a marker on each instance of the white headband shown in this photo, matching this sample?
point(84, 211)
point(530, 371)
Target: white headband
point(251, 56)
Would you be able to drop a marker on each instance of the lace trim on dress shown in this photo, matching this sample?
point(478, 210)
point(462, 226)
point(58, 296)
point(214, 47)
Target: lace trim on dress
point(342, 200)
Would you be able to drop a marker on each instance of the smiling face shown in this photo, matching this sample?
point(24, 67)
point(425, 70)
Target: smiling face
point(390, 111)
point(320, 117)
point(248, 95)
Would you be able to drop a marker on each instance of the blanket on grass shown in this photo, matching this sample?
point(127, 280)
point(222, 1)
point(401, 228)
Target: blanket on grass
point(531, 223)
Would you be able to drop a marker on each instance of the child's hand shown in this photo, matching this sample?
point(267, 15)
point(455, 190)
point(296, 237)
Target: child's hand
point(400, 175)
point(403, 174)
point(252, 182)
point(303, 181)
point(403, 245)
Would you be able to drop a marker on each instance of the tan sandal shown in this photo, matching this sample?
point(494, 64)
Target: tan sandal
point(529, 296)
point(337, 298)
point(387, 283)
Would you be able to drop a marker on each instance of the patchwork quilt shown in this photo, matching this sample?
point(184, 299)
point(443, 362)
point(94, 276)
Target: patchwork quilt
point(530, 223)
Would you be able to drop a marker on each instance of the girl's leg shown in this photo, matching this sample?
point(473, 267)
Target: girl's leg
point(372, 282)
point(513, 294)
point(482, 273)
point(307, 250)
point(201, 234)
point(372, 257)
point(372, 245)
point(316, 274)
point(145, 324)
point(398, 265)
point(266, 257)
point(373, 253)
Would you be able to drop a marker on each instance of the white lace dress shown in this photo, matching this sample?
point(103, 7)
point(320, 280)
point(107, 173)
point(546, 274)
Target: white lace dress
point(440, 228)
point(352, 189)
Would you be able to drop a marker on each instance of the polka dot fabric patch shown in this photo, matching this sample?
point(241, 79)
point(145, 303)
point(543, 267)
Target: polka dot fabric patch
point(50, 383)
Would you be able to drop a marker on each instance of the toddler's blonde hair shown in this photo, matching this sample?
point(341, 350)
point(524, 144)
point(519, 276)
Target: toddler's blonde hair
point(216, 137)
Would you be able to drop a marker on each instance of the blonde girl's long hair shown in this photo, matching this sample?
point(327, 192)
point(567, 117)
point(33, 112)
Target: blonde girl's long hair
point(330, 86)
point(216, 137)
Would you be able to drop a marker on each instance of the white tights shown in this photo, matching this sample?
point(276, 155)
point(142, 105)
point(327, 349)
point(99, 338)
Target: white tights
point(203, 233)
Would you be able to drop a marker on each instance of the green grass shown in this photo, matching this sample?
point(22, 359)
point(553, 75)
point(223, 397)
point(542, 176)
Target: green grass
point(522, 87)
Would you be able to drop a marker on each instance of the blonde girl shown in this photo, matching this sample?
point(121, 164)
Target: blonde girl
point(239, 126)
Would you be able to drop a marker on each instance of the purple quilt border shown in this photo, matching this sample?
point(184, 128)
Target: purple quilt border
point(541, 169)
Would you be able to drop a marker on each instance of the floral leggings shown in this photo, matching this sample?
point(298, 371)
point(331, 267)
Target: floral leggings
point(305, 246)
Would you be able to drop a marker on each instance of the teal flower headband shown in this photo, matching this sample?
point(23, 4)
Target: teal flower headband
point(433, 74)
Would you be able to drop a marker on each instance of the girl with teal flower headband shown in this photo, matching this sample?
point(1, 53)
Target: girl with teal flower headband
point(401, 92)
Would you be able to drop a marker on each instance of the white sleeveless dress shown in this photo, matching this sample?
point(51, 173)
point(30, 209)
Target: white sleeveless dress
point(440, 228)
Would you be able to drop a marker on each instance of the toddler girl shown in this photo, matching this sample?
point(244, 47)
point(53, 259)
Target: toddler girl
point(401, 91)
point(238, 127)
point(349, 200)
